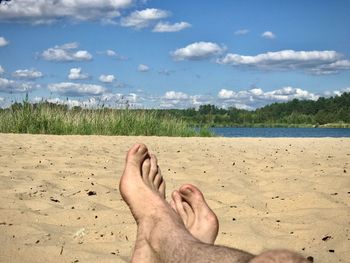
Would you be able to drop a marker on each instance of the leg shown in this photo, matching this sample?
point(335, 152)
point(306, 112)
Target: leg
point(161, 233)
point(281, 255)
point(195, 213)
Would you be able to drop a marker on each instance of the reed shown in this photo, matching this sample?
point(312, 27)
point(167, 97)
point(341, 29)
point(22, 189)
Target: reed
point(48, 118)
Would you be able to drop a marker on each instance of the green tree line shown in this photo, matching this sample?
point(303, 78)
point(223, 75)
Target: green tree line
point(333, 111)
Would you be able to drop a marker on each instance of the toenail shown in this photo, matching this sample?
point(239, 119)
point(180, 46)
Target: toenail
point(187, 190)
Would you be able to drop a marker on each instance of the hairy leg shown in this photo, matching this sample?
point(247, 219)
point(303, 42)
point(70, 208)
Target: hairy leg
point(281, 255)
point(197, 216)
point(161, 234)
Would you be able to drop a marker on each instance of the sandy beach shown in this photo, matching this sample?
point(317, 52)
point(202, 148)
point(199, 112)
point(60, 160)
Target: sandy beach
point(59, 200)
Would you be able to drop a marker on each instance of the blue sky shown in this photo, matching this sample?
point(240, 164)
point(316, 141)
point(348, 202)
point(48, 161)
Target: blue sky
point(173, 54)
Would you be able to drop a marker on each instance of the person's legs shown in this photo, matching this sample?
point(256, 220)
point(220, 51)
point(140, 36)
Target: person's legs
point(195, 213)
point(161, 234)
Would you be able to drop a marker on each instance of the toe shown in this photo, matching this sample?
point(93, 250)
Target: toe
point(134, 148)
point(157, 180)
point(161, 189)
point(146, 166)
point(172, 204)
point(154, 168)
point(188, 210)
point(137, 154)
point(179, 206)
point(142, 148)
point(192, 195)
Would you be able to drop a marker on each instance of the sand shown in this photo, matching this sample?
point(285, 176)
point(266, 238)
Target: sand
point(59, 200)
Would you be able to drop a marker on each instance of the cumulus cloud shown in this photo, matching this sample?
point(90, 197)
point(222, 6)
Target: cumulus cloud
point(12, 86)
point(77, 73)
point(197, 51)
point(241, 32)
point(143, 68)
point(66, 53)
point(2, 70)
point(256, 97)
point(268, 35)
point(49, 11)
point(107, 78)
point(113, 54)
point(331, 68)
point(167, 27)
point(336, 92)
point(314, 62)
point(76, 89)
point(27, 74)
point(3, 41)
point(143, 18)
point(173, 95)
point(178, 99)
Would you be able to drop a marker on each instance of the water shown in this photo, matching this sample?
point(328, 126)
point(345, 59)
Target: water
point(282, 132)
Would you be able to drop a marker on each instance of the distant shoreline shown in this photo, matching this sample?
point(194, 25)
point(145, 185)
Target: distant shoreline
point(282, 125)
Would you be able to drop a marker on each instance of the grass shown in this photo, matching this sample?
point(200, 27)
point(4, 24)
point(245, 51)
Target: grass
point(48, 118)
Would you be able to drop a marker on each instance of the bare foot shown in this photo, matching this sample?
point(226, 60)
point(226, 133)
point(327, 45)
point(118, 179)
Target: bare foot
point(143, 189)
point(141, 181)
point(161, 233)
point(197, 216)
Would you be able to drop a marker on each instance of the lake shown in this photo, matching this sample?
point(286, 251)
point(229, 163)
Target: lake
point(281, 132)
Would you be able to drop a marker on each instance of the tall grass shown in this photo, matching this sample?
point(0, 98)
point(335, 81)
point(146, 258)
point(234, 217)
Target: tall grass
point(47, 118)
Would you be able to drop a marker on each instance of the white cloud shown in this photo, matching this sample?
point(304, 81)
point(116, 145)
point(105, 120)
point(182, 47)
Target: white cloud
point(3, 41)
point(143, 18)
point(76, 89)
point(241, 32)
point(173, 95)
point(173, 99)
point(27, 74)
point(336, 92)
point(66, 53)
point(49, 11)
point(77, 73)
point(11, 86)
point(178, 99)
point(256, 97)
point(113, 54)
point(197, 51)
point(167, 27)
point(107, 78)
point(288, 93)
point(143, 68)
point(2, 70)
point(268, 35)
point(331, 68)
point(226, 94)
point(314, 62)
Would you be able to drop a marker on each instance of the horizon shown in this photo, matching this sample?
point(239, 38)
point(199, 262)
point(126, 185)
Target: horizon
point(162, 54)
point(125, 105)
